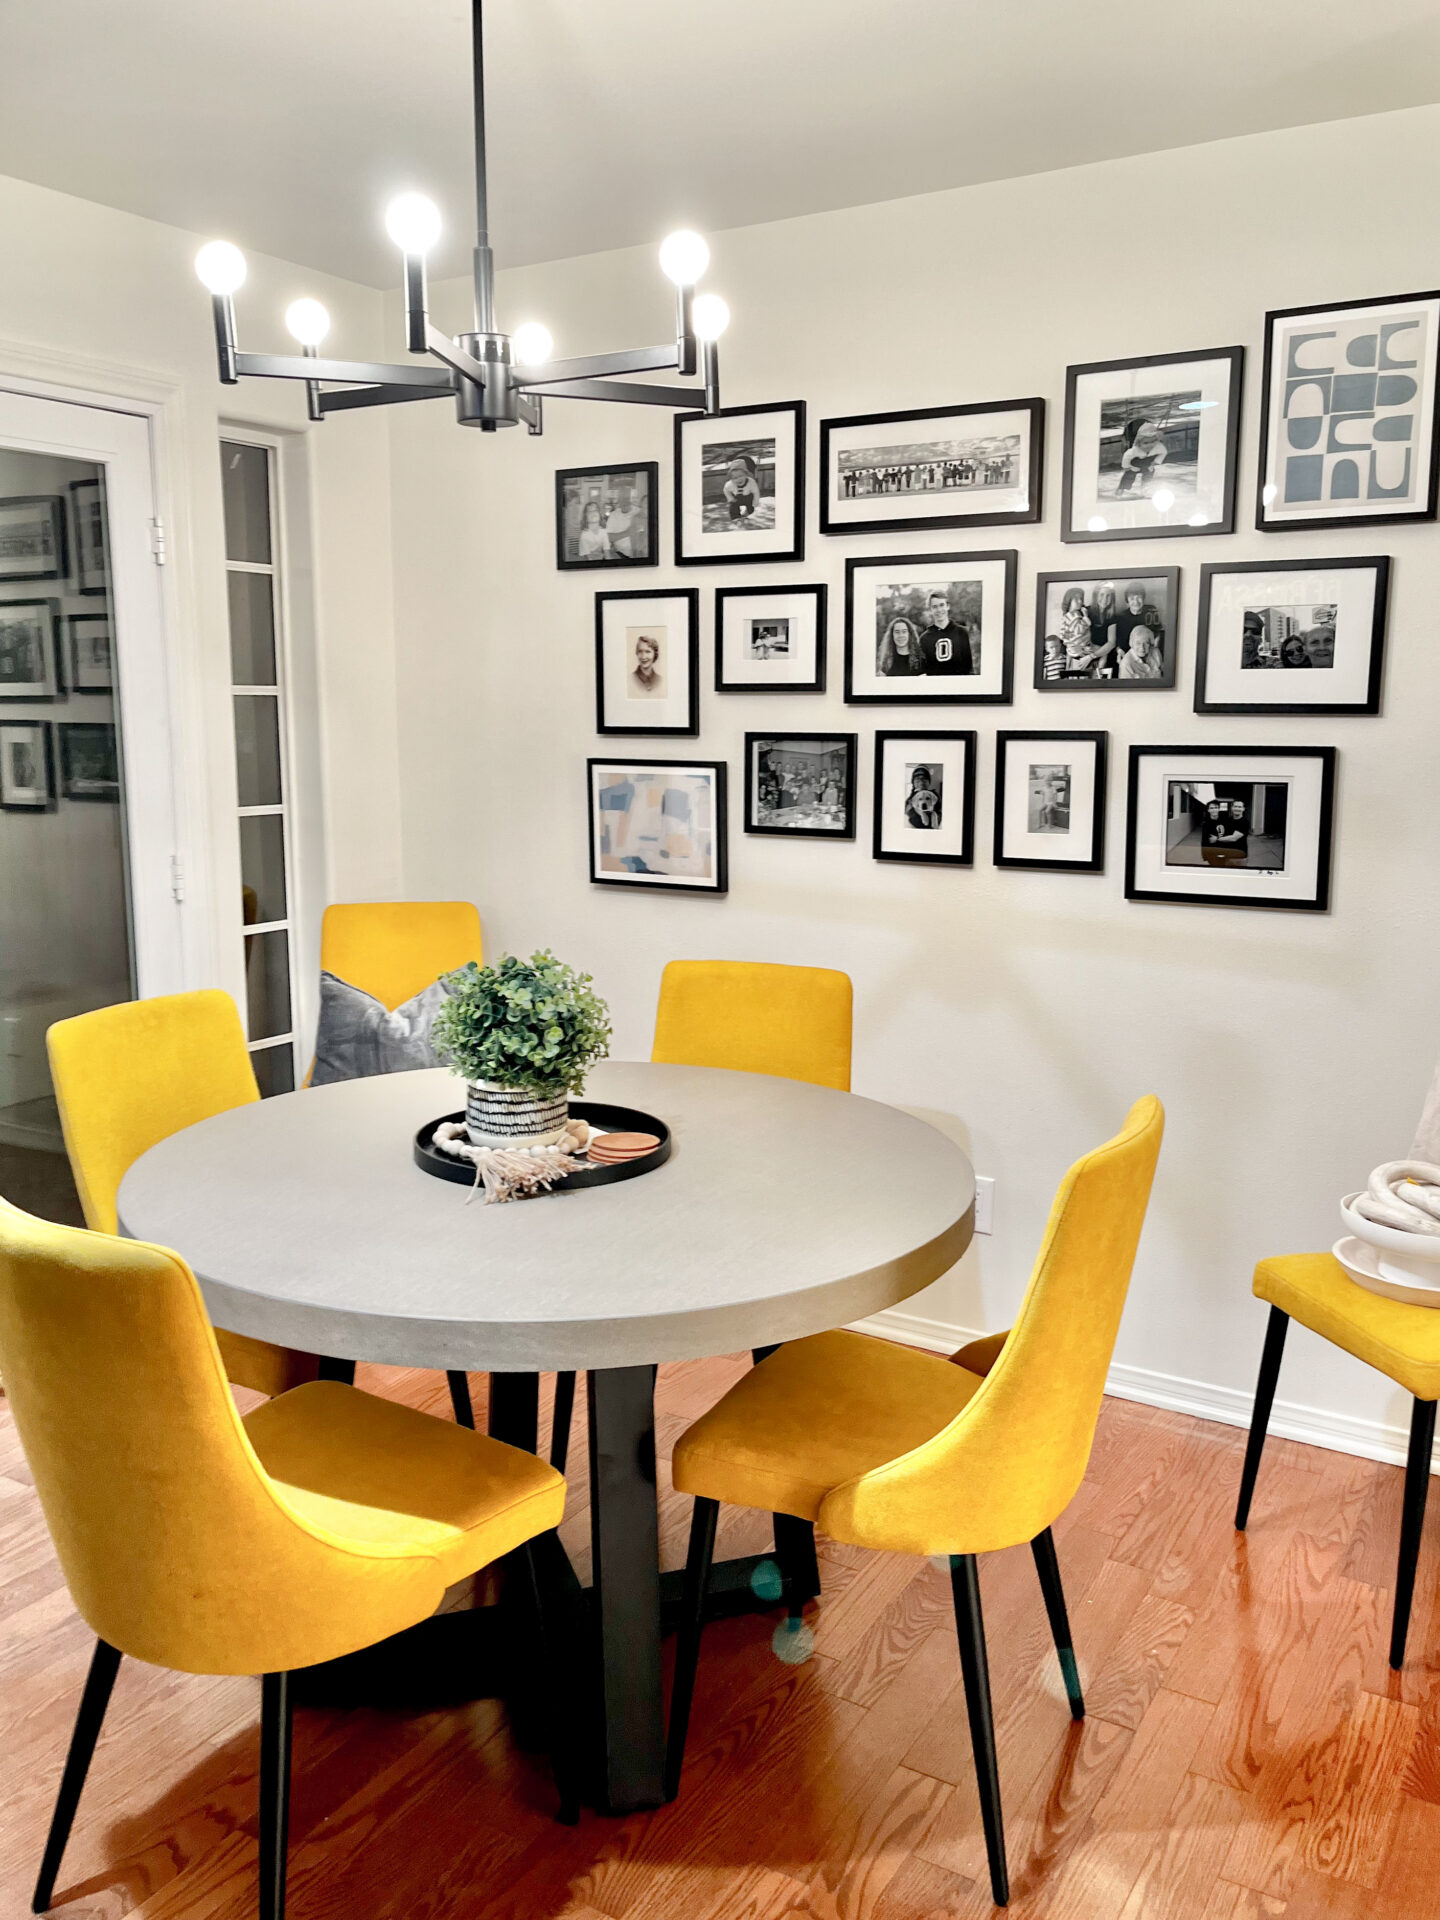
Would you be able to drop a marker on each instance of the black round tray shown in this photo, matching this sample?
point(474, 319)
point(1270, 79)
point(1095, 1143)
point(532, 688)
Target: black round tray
point(599, 1114)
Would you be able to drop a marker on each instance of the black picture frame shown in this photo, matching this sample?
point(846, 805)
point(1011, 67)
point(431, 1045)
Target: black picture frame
point(851, 743)
point(92, 569)
point(1009, 558)
point(1034, 469)
point(54, 506)
point(46, 731)
point(690, 421)
point(1013, 737)
point(74, 677)
point(73, 733)
point(1379, 564)
point(691, 598)
point(1043, 584)
point(966, 855)
point(1080, 536)
point(616, 468)
point(1266, 521)
point(53, 653)
point(718, 770)
point(1319, 902)
point(726, 596)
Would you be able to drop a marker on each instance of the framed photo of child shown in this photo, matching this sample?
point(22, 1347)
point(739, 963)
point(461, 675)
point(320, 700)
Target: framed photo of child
point(1050, 801)
point(740, 485)
point(925, 798)
point(1151, 446)
point(1106, 628)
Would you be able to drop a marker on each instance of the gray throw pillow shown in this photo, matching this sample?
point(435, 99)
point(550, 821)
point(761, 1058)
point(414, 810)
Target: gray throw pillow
point(358, 1037)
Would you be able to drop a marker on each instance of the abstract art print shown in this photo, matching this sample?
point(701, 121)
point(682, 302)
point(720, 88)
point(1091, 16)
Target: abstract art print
point(658, 823)
point(1348, 415)
point(1050, 801)
point(801, 784)
point(1106, 629)
point(32, 538)
point(29, 656)
point(930, 627)
point(647, 659)
point(1151, 446)
point(977, 466)
point(1297, 636)
point(770, 639)
point(607, 516)
point(740, 485)
point(925, 798)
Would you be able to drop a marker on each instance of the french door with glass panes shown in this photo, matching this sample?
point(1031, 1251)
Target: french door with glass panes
point(88, 840)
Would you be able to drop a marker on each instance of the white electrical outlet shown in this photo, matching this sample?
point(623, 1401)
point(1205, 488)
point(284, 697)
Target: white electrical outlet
point(984, 1203)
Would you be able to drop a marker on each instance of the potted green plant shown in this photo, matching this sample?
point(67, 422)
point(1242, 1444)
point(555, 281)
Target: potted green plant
point(523, 1034)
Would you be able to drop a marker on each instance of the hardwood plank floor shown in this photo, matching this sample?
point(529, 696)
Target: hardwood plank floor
point(1247, 1755)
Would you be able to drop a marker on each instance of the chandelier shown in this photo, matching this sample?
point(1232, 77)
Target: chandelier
point(495, 379)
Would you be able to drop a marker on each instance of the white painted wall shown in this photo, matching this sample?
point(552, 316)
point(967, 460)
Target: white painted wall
point(103, 302)
point(1292, 1051)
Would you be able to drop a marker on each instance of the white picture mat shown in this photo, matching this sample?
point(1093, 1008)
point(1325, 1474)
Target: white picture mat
point(668, 617)
point(869, 580)
point(1211, 379)
point(896, 757)
point(1299, 877)
point(943, 501)
point(1350, 590)
point(750, 543)
point(29, 734)
point(799, 665)
point(647, 821)
point(1348, 321)
point(1078, 842)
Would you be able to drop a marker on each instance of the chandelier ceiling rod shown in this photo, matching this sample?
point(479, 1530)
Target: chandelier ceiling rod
point(495, 379)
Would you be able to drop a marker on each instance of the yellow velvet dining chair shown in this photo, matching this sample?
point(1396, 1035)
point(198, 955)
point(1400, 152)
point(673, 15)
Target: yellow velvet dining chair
point(906, 1452)
point(127, 1077)
point(394, 949)
point(323, 1522)
point(1399, 1340)
point(752, 1016)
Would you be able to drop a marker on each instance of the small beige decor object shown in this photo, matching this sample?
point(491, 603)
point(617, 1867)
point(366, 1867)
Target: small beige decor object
point(511, 1172)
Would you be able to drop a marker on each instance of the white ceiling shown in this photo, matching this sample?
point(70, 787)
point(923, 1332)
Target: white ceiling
point(286, 124)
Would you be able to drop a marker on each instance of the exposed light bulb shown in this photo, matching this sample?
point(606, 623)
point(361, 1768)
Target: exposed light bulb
point(709, 316)
point(1097, 523)
point(221, 267)
point(684, 257)
point(413, 222)
point(531, 344)
point(308, 322)
point(1163, 499)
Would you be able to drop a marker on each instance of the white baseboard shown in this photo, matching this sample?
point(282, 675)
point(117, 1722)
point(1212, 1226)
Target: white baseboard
point(1313, 1426)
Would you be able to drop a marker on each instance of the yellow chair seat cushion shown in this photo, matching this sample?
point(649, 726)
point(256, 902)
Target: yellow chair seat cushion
point(372, 1471)
point(814, 1415)
point(1401, 1341)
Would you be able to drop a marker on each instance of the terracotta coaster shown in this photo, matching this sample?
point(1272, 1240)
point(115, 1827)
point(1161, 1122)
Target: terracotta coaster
point(617, 1159)
point(626, 1142)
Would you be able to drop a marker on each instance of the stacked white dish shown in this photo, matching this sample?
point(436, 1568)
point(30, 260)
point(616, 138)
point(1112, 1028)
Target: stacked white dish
point(1401, 1262)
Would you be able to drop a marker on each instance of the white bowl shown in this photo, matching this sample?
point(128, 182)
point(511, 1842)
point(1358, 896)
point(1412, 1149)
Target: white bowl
point(1408, 1259)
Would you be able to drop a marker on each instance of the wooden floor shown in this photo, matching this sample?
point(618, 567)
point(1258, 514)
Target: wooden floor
point(1248, 1755)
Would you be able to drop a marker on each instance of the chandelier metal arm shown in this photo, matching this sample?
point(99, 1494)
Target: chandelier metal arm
point(285, 366)
point(692, 397)
point(342, 399)
point(599, 365)
point(455, 356)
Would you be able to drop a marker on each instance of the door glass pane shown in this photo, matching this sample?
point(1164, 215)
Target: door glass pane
point(257, 749)
point(262, 867)
point(267, 984)
point(252, 629)
point(274, 1070)
point(64, 906)
point(245, 476)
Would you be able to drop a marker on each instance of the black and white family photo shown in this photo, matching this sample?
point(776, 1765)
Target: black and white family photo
point(800, 783)
point(1288, 637)
point(607, 516)
point(1263, 622)
point(1227, 823)
point(1105, 628)
point(738, 486)
point(929, 467)
point(1150, 445)
point(89, 764)
point(933, 467)
point(931, 629)
point(770, 639)
point(1048, 799)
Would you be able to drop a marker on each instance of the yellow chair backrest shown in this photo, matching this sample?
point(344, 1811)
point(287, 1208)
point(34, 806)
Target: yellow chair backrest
point(177, 1546)
point(129, 1076)
point(1008, 1465)
point(394, 948)
point(756, 1017)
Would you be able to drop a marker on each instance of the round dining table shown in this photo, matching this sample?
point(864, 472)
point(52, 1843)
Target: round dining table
point(784, 1209)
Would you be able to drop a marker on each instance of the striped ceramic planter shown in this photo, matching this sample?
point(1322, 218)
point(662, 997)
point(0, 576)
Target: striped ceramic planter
point(513, 1116)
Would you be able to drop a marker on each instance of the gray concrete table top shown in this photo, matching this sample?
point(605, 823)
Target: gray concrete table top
point(784, 1209)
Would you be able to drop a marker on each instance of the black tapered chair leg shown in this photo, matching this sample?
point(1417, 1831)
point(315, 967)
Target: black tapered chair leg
point(104, 1665)
point(332, 1369)
point(276, 1722)
point(687, 1647)
point(460, 1399)
point(547, 1637)
point(1412, 1522)
point(799, 1568)
point(561, 1420)
point(970, 1629)
point(1047, 1566)
point(1260, 1419)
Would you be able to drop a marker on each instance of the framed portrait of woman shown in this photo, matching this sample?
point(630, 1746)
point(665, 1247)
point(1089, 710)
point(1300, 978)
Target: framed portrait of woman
point(740, 485)
point(925, 798)
point(1104, 628)
point(647, 661)
point(931, 629)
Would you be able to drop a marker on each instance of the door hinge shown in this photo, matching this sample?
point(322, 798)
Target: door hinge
point(157, 542)
point(177, 877)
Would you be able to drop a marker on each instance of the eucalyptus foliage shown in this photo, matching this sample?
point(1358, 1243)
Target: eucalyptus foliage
point(534, 1024)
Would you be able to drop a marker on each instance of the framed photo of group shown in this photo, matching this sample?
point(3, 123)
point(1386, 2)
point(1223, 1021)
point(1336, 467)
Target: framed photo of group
point(925, 798)
point(931, 629)
point(972, 466)
point(1050, 801)
point(647, 661)
point(607, 516)
point(801, 784)
point(1151, 446)
point(740, 485)
point(658, 824)
point(1106, 629)
point(1216, 826)
point(1296, 636)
